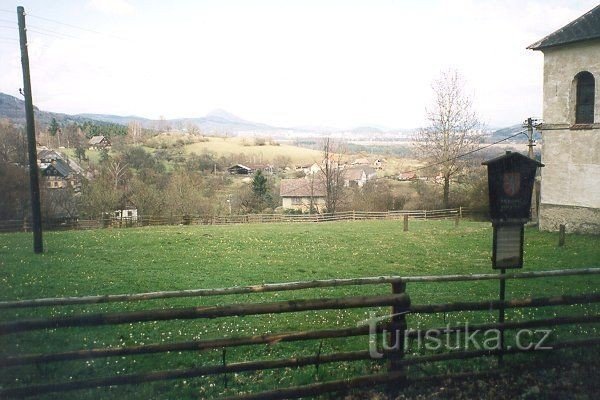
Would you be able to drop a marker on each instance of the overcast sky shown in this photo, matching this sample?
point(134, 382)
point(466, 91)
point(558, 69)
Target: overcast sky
point(286, 63)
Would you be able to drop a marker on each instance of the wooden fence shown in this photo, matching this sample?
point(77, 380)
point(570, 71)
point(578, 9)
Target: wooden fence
point(394, 329)
point(138, 221)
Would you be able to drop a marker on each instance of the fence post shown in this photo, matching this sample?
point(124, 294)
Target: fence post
point(460, 211)
point(405, 222)
point(561, 235)
point(396, 338)
point(425, 215)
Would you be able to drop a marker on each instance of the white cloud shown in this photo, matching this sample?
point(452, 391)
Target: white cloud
point(118, 7)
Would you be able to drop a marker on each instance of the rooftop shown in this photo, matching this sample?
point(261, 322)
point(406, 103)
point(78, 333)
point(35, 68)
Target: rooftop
point(96, 139)
point(302, 187)
point(586, 27)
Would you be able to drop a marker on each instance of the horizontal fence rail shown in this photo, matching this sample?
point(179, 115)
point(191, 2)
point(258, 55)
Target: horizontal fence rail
point(143, 220)
point(200, 345)
point(204, 312)
point(391, 326)
point(279, 287)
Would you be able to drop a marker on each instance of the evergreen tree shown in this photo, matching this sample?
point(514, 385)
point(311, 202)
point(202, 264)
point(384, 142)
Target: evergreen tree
point(53, 127)
point(260, 191)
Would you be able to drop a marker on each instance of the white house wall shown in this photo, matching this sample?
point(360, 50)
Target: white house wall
point(570, 192)
point(561, 64)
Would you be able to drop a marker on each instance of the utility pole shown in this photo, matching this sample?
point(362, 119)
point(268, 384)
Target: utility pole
point(529, 125)
point(534, 195)
point(34, 182)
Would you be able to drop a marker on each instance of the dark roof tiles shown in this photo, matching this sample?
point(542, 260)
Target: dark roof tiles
point(586, 27)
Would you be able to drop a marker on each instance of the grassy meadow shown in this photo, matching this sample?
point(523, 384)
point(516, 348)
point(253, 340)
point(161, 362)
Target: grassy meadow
point(246, 145)
point(115, 261)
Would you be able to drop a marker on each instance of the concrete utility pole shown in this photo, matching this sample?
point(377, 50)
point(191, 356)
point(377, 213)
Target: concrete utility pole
point(34, 182)
point(529, 123)
point(534, 196)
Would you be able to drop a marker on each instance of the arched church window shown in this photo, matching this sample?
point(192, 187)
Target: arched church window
point(584, 107)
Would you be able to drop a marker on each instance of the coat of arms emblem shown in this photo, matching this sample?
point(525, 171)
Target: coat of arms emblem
point(511, 183)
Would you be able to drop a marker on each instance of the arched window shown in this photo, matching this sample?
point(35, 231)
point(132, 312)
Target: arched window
point(584, 107)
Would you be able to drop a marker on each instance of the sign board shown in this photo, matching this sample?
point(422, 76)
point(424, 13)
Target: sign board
point(510, 183)
point(508, 246)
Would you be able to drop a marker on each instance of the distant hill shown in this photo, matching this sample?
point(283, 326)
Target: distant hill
point(361, 130)
point(512, 130)
point(218, 121)
point(116, 119)
point(13, 108)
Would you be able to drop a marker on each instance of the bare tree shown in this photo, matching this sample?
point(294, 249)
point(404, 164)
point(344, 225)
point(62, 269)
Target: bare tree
point(453, 129)
point(193, 129)
point(60, 203)
point(13, 144)
point(134, 131)
point(117, 170)
point(332, 171)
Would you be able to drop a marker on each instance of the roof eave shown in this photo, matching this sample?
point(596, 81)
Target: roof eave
point(538, 46)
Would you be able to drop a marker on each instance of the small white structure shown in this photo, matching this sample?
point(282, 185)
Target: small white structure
point(127, 214)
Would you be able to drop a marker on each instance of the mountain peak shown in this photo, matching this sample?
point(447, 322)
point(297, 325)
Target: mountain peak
point(222, 114)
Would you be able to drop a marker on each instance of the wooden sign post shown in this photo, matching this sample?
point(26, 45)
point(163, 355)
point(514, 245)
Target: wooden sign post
point(510, 182)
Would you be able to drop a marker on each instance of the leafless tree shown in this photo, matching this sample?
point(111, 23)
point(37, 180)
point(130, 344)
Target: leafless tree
point(117, 170)
point(13, 144)
point(193, 129)
point(60, 203)
point(453, 129)
point(332, 170)
point(134, 131)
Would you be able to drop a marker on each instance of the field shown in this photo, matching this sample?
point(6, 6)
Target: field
point(246, 146)
point(115, 261)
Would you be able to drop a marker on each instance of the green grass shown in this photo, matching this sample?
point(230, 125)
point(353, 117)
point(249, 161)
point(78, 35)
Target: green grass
point(115, 261)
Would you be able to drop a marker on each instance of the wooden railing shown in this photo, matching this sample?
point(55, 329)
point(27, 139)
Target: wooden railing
point(127, 222)
point(392, 329)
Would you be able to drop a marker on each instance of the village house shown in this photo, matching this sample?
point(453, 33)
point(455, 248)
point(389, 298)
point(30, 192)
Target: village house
point(99, 142)
point(58, 175)
point(302, 194)
point(59, 172)
point(240, 169)
point(570, 193)
point(358, 175)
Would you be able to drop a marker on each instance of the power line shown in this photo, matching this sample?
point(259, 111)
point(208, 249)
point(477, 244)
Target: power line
point(74, 26)
point(453, 158)
point(65, 24)
point(54, 35)
point(50, 31)
point(62, 23)
point(42, 31)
